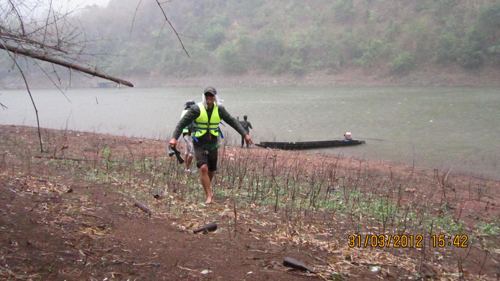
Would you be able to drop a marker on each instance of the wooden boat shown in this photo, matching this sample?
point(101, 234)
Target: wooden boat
point(309, 144)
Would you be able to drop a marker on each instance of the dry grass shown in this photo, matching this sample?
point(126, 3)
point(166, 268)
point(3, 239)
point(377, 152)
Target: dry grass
point(287, 197)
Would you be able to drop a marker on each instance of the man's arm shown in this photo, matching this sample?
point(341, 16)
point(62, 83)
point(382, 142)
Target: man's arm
point(224, 115)
point(190, 116)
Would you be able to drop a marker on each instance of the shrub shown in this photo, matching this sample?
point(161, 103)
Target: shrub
point(214, 36)
point(269, 48)
point(471, 56)
point(344, 10)
point(297, 66)
point(403, 63)
point(494, 52)
point(489, 16)
point(230, 60)
point(371, 51)
point(447, 48)
point(282, 65)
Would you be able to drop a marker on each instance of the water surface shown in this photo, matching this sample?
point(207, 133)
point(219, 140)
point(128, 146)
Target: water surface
point(433, 127)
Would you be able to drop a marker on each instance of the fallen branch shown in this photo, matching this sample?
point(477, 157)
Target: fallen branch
point(61, 158)
point(71, 159)
point(35, 55)
point(143, 207)
point(206, 228)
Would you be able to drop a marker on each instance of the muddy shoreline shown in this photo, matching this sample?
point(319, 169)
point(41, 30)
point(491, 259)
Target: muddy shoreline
point(426, 76)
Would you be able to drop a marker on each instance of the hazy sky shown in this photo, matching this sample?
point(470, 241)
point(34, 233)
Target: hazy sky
point(92, 2)
point(82, 3)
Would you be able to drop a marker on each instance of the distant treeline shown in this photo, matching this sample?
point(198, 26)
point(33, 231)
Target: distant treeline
point(291, 36)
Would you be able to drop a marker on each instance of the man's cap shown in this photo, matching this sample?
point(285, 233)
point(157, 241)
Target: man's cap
point(210, 90)
point(347, 134)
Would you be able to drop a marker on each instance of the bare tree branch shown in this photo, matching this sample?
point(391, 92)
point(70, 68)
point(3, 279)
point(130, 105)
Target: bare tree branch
point(133, 18)
point(18, 50)
point(177, 34)
point(52, 39)
point(32, 101)
point(166, 19)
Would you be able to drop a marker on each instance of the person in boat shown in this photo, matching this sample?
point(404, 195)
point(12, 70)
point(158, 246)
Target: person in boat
point(247, 126)
point(188, 139)
point(206, 117)
point(347, 136)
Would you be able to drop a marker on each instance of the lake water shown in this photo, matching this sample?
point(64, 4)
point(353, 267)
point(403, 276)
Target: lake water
point(440, 128)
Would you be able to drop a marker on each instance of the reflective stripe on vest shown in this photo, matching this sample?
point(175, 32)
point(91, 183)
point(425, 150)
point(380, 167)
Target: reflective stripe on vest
point(201, 124)
point(185, 130)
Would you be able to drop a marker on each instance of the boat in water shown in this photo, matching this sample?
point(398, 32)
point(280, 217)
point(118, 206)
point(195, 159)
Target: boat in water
point(309, 144)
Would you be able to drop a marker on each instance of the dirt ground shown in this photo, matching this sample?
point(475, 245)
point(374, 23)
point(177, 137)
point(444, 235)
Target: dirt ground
point(55, 225)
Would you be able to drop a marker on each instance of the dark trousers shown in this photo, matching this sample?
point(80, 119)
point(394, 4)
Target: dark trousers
point(243, 140)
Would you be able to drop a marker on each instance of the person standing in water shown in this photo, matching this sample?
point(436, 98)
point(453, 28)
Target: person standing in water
point(247, 126)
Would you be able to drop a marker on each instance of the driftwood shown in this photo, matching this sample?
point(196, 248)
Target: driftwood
point(206, 228)
point(143, 207)
point(295, 264)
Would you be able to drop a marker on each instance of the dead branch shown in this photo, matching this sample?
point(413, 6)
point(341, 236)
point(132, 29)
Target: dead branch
point(32, 101)
point(27, 53)
point(143, 207)
point(177, 34)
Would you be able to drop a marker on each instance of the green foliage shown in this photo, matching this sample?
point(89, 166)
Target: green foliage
point(281, 65)
point(494, 53)
point(214, 36)
point(294, 37)
point(445, 223)
point(489, 16)
point(297, 66)
point(471, 57)
point(488, 228)
point(442, 7)
point(230, 60)
point(372, 16)
point(447, 48)
point(488, 26)
point(347, 48)
point(344, 10)
point(214, 32)
point(369, 52)
point(392, 30)
point(270, 48)
point(471, 53)
point(245, 47)
point(403, 64)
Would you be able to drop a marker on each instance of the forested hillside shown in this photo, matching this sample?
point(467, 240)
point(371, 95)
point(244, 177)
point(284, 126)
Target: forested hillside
point(292, 37)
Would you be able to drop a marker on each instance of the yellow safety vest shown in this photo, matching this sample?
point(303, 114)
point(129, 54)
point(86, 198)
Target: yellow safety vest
point(201, 124)
point(185, 130)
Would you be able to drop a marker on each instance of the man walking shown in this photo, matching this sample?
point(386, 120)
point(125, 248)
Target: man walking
point(206, 117)
point(247, 126)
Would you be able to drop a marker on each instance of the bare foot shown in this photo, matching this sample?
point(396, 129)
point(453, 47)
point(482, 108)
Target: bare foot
point(210, 200)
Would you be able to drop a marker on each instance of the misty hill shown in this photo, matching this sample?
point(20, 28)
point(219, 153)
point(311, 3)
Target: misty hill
point(292, 37)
